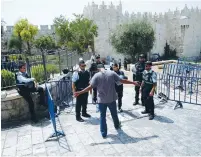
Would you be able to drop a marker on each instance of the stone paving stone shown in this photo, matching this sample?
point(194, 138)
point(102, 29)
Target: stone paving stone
point(37, 137)
point(25, 152)
point(110, 151)
point(10, 151)
point(3, 135)
point(11, 139)
point(39, 149)
point(24, 142)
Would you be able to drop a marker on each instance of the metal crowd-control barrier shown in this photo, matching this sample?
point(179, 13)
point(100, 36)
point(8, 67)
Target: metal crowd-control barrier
point(180, 83)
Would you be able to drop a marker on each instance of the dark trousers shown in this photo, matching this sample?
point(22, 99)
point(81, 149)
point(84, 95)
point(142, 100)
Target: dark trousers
point(94, 94)
point(137, 93)
point(120, 95)
point(148, 101)
point(81, 101)
point(26, 94)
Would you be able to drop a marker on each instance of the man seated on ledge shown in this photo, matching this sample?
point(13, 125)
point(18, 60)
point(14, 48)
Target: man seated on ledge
point(26, 86)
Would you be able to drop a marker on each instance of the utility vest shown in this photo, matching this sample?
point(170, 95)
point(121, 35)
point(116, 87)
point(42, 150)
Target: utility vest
point(23, 85)
point(83, 80)
point(147, 78)
point(140, 67)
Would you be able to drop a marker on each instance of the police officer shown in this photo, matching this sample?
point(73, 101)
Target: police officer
point(137, 76)
point(80, 80)
point(148, 88)
point(98, 63)
point(26, 86)
point(119, 86)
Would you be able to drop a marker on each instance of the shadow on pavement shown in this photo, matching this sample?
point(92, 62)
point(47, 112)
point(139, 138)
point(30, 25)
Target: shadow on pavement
point(93, 121)
point(122, 137)
point(163, 119)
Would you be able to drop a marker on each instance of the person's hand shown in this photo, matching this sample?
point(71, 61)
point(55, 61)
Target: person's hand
point(136, 83)
point(151, 93)
point(76, 94)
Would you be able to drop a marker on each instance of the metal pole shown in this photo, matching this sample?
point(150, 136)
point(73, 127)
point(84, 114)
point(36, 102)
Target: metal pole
point(66, 58)
point(59, 62)
point(44, 65)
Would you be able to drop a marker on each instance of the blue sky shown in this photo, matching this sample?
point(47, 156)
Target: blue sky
point(43, 11)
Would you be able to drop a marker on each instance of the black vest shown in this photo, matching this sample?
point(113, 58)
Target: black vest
point(23, 85)
point(83, 80)
point(140, 67)
point(119, 88)
point(147, 78)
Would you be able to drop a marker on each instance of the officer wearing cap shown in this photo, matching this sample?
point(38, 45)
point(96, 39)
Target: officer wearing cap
point(99, 64)
point(148, 88)
point(80, 80)
point(119, 86)
point(137, 76)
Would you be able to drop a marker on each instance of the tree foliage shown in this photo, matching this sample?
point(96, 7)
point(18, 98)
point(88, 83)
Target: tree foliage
point(133, 39)
point(77, 34)
point(15, 43)
point(45, 42)
point(25, 32)
point(169, 53)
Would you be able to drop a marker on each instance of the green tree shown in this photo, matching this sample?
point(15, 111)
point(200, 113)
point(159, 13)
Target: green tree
point(84, 31)
point(62, 30)
point(25, 32)
point(15, 43)
point(45, 42)
point(133, 39)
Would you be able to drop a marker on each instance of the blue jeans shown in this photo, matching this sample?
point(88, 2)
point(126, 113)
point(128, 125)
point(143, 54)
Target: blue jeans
point(113, 110)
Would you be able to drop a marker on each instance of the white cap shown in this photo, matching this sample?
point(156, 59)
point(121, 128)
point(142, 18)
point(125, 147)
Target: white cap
point(80, 59)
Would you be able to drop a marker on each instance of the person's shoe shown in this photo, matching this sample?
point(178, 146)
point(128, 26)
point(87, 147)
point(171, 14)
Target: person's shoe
point(120, 110)
point(135, 103)
point(104, 137)
point(80, 119)
point(144, 112)
point(86, 115)
point(151, 117)
point(118, 127)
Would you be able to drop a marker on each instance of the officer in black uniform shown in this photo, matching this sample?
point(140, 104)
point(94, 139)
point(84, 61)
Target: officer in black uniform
point(137, 76)
point(26, 86)
point(98, 62)
point(148, 89)
point(80, 80)
point(119, 86)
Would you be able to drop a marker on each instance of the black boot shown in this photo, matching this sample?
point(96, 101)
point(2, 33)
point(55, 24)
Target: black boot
point(34, 119)
point(86, 115)
point(79, 119)
point(144, 112)
point(135, 103)
point(151, 116)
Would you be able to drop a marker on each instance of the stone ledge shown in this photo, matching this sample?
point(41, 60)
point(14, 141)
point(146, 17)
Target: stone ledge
point(14, 107)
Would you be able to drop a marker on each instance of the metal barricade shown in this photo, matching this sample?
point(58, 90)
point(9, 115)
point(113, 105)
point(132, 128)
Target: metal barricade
point(180, 83)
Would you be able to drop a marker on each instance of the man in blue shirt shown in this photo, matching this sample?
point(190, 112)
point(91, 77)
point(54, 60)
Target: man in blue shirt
point(80, 80)
point(26, 86)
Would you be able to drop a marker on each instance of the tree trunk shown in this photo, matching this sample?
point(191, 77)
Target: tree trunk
point(28, 48)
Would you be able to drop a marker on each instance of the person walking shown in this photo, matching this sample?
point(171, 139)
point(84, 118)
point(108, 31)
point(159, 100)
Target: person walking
point(104, 81)
point(137, 70)
point(80, 80)
point(148, 88)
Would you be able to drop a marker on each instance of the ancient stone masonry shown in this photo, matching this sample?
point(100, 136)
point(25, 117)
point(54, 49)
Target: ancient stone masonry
point(180, 28)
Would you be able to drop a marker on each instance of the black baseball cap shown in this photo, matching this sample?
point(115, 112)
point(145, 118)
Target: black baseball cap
point(93, 67)
point(148, 63)
point(141, 56)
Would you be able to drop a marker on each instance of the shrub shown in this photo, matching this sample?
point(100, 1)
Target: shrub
point(7, 78)
point(38, 71)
